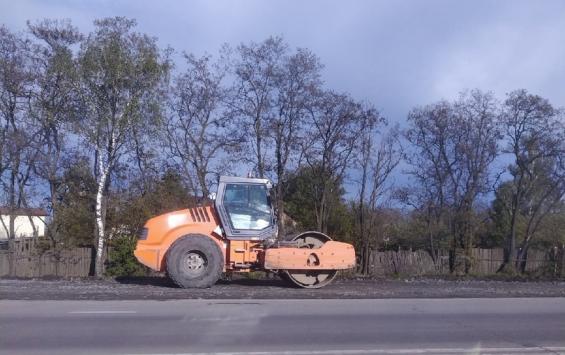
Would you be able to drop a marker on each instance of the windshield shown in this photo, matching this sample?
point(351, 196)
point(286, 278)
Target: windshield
point(247, 206)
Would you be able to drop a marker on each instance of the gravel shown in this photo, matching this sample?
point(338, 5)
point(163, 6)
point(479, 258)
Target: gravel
point(158, 288)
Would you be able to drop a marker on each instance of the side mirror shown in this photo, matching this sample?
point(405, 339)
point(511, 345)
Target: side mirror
point(212, 196)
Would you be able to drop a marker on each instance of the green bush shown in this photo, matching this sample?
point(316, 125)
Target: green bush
point(121, 261)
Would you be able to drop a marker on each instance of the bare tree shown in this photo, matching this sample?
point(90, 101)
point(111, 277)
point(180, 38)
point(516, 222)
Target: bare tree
point(296, 86)
point(429, 137)
point(120, 71)
point(199, 132)
point(455, 145)
point(54, 102)
point(17, 131)
point(377, 159)
point(535, 133)
point(335, 122)
point(544, 198)
point(257, 70)
point(18, 135)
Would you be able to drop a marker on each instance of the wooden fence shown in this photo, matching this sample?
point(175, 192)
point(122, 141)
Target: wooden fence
point(483, 262)
point(486, 261)
point(28, 260)
point(406, 262)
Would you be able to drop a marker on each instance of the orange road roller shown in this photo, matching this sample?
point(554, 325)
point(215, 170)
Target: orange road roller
point(238, 233)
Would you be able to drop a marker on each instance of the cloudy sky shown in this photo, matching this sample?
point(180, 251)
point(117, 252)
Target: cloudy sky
point(396, 54)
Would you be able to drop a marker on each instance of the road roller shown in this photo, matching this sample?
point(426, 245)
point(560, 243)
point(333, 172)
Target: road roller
point(236, 232)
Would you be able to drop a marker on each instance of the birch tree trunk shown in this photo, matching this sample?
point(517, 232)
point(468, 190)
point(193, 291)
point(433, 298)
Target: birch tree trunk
point(100, 223)
point(100, 215)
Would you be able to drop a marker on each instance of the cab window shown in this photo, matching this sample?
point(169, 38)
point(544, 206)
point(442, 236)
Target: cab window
point(247, 206)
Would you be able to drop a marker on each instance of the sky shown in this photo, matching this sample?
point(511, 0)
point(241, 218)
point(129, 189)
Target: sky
point(394, 54)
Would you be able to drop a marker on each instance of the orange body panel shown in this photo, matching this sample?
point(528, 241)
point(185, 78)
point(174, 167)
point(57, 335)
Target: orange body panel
point(331, 256)
point(163, 230)
point(243, 254)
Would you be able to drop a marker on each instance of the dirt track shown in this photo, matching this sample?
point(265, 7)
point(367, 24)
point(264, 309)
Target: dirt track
point(162, 289)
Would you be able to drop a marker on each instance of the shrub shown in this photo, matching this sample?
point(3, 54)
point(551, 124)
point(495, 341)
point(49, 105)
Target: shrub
point(121, 261)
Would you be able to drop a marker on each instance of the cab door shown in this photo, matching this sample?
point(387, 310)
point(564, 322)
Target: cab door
point(245, 208)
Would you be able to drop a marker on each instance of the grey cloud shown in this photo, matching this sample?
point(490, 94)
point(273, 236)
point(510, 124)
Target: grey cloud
point(396, 54)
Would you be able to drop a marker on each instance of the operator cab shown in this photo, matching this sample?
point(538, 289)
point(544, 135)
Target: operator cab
point(245, 209)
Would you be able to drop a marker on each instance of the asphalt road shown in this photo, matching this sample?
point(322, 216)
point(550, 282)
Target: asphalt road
point(291, 327)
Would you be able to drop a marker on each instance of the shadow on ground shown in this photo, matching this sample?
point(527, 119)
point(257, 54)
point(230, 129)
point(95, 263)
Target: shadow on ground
point(160, 281)
point(157, 281)
point(256, 282)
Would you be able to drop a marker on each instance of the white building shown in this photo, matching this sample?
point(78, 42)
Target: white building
point(26, 221)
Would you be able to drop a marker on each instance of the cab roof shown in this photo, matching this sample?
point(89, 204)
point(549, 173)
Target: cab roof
point(235, 179)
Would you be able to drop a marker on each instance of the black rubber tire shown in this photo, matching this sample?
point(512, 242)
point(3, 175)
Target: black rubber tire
point(202, 247)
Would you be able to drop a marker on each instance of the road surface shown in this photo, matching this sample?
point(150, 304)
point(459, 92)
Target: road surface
point(291, 327)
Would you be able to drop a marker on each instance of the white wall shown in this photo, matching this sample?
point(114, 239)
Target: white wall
point(22, 226)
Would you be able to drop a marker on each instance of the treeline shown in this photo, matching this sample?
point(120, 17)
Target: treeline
point(105, 130)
